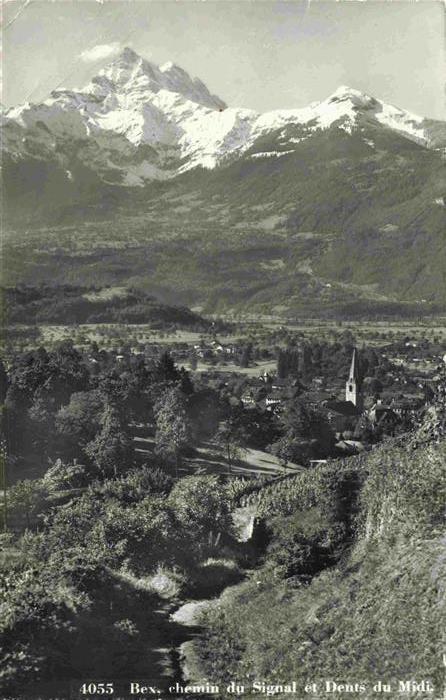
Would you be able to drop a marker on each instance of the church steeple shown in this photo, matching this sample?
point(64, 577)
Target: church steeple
point(353, 384)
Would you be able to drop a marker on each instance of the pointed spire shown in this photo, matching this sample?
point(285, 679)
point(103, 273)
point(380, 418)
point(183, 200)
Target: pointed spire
point(354, 373)
point(353, 391)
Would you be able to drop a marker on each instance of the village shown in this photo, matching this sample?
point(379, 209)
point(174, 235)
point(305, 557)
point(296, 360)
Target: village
point(363, 394)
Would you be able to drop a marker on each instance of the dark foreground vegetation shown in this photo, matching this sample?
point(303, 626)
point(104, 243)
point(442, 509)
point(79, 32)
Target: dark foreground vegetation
point(344, 575)
point(98, 535)
point(82, 589)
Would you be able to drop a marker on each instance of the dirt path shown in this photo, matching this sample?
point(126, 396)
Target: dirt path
point(189, 615)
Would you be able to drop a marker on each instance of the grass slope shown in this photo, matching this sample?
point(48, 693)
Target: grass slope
point(375, 610)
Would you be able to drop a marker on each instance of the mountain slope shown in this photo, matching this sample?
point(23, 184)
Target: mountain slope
point(145, 178)
point(335, 222)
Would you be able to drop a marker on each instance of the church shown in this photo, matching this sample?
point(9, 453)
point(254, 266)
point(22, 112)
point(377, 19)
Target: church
point(353, 389)
point(344, 415)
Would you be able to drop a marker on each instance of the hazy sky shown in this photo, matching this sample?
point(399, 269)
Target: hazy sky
point(261, 54)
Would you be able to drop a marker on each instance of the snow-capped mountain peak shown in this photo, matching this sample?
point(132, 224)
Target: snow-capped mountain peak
point(344, 93)
point(169, 66)
point(136, 121)
point(129, 72)
point(352, 104)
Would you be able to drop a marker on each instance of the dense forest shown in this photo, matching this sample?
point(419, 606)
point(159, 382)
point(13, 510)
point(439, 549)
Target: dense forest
point(73, 305)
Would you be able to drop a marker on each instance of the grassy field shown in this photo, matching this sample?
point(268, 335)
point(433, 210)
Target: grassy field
point(125, 333)
point(362, 330)
point(109, 335)
point(263, 331)
point(209, 457)
point(255, 370)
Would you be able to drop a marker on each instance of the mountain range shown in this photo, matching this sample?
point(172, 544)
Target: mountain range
point(145, 176)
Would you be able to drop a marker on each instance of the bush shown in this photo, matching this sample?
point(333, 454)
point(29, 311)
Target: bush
point(304, 543)
point(200, 505)
point(60, 477)
point(26, 501)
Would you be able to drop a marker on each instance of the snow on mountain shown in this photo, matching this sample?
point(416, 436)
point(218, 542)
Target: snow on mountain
point(344, 106)
point(137, 121)
point(132, 77)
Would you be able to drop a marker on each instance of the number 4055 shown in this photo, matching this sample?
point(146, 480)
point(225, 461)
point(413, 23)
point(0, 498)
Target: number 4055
point(97, 689)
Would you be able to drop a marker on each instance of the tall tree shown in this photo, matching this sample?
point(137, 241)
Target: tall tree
point(3, 383)
point(165, 369)
point(307, 434)
point(78, 422)
point(231, 436)
point(246, 356)
point(172, 426)
point(68, 373)
point(111, 451)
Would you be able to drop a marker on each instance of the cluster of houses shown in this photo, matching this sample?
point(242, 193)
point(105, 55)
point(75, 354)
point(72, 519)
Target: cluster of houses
point(270, 392)
point(215, 348)
point(350, 417)
point(354, 416)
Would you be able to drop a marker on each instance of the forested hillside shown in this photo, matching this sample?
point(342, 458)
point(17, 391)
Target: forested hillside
point(72, 305)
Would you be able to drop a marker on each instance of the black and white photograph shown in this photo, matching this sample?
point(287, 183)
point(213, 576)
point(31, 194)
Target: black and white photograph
point(223, 350)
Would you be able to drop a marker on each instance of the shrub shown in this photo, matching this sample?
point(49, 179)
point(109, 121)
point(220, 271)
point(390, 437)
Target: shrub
point(200, 506)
